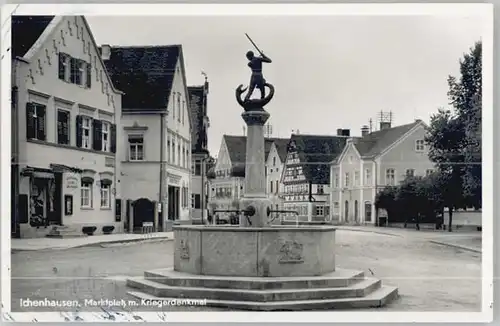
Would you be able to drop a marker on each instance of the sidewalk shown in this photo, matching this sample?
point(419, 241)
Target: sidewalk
point(58, 244)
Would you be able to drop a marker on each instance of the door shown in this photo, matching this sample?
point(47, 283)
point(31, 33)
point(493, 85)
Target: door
point(346, 211)
point(368, 211)
point(356, 211)
point(143, 212)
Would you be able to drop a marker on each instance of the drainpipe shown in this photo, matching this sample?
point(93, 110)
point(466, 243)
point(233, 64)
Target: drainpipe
point(15, 150)
point(162, 164)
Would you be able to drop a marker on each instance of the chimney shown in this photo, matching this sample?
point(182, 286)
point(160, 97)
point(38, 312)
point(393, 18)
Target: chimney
point(105, 51)
point(346, 132)
point(339, 132)
point(365, 130)
point(385, 125)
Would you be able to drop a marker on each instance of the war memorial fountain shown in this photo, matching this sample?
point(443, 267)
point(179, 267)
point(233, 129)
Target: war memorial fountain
point(256, 265)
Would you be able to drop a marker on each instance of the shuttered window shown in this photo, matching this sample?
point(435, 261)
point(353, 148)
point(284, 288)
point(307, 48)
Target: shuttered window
point(35, 121)
point(63, 123)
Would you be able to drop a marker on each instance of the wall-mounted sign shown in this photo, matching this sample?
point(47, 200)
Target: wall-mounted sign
point(68, 205)
point(173, 178)
point(71, 182)
point(109, 161)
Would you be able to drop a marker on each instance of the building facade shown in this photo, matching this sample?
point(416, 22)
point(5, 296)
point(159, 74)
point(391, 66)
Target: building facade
point(274, 168)
point(371, 162)
point(201, 160)
point(65, 116)
point(306, 175)
point(156, 124)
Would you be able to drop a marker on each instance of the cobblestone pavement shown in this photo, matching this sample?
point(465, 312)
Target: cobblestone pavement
point(430, 277)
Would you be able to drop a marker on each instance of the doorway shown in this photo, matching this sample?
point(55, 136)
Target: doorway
point(173, 202)
point(45, 199)
point(356, 211)
point(143, 212)
point(346, 211)
point(368, 211)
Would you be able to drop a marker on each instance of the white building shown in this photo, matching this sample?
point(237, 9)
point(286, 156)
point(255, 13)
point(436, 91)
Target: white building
point(64, 122)
point(274, 168)
point(370, 162)
point(156, 124)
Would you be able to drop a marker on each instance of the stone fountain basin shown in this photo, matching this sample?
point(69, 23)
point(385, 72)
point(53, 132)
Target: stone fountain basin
point(276, 251)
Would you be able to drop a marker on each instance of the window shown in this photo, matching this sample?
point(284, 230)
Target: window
point(86, 194)
point(105, 136)
point(277, 187)
point(270, 187)
point(368, 177)
point(321, 189)
point(336, 180)
point(86, 126)
point(346, 180)
point(63, 123)
point(136, 148)
point(196, 201)
point(183, 110)
point(197, 167)
point(390, 178)
point(35, 121)
point(179, 154)
point(410, 172)
point(82, 69)
point(320, 210)
point(336, 208)
point(419, 145)
point(179, 107)
point(64, 64)
point(173, 151)
point(105, 196)
point(274, 161)
point(429, 172)
point(356, 178)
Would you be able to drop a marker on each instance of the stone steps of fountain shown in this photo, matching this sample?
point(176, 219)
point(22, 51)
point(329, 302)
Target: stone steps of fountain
point(358, 289)
point(377, 298)
point(339, 278)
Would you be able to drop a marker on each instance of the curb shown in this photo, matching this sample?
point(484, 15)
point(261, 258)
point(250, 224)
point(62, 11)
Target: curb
point(95, 244)
point(452, 245)
point(369, 231)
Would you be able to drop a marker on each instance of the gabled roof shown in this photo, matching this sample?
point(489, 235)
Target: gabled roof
point(145, 74)
point(376, 142)
point(236, 146)
point(315, 154)
point(281, 146)
point(26, 30)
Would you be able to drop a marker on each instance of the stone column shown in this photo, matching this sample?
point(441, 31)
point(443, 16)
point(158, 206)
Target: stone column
point(255, 178)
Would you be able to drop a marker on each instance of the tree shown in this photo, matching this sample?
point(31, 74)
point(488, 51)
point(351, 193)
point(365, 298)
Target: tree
point(466, 97)
point(386, 199)
point(454, 139)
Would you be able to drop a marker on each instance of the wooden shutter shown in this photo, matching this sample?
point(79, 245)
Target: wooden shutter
point(62, 127)
point(30, 122)
point(40, 112)
point(113, 138)
point(89, 74)
point(97, 135)
point(74, 70)
point(62, 70)
point(79, 131)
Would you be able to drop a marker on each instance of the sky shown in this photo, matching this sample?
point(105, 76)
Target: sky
point(329, 71)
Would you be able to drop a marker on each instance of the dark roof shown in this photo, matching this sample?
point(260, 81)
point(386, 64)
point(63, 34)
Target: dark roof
point(145, 74)
point(316, 153)
point(236, 146)
point(26, 30)
point(282, 146)
point(376, 142)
